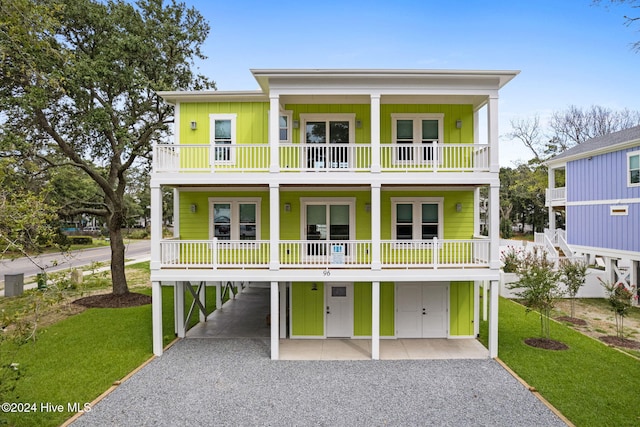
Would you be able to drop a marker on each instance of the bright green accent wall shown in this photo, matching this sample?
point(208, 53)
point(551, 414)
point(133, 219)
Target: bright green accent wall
point(290, 221)
point(457, 225)
point(452, 113)
point(251, 121)
point(195, 226)
point(307, 309)
point(362, 309)
point(461, 308)
point(362, 112)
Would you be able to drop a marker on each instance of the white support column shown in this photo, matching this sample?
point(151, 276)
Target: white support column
point(550, 186)
point(476, 308)
point(283, 309)
point(376, 263)
point(375, 133)
point(493, 135)
point(274, 227)
point(494, 227)
point(375, 320)
point(485, 300)
point(156, 309)
point(493, 319)
point(176, 213)
point(275, 327)
point(218, 295)
point(156, 226)
point(274, 132)
point(476, 212)
point(202, 296)
point(179, 309)
point(634, 277)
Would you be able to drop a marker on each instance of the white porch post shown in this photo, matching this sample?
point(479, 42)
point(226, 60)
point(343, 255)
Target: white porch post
point(494, 226)
point(218, 295)
point(275, 328)
point(156, 309)
point(551, 185)
point(156, 226)
point(634, 276)
point(493, 320)
point(274, 132)
point(492, 128)
point(274, 226)
point(283, 309)
point(476, 307)
point(176, 213)
point(485, 299)
point(202, 296)
point(375, 133)
point(376, 263)
point(476, 211)
point(375, 320)
point(179, 309)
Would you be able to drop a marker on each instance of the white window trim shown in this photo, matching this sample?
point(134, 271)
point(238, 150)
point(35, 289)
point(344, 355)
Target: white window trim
point(417, 129)
point(417, 215)
point(289, 115)
point(629, 155)
point(328, 117)
point(235, 214)
point(212, 119)
point(305, 201)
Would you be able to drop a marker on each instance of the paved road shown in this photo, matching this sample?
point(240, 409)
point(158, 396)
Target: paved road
point(74, 259)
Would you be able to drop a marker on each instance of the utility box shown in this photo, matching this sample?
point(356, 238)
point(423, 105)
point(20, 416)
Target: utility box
point(13, 284)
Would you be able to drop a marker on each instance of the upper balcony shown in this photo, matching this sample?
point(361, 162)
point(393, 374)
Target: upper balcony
point(556, 196)
point(240, 158)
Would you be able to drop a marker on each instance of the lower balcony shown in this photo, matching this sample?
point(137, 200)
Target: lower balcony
point(320, 255)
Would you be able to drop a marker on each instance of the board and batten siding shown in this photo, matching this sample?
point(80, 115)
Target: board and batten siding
point(594, 185)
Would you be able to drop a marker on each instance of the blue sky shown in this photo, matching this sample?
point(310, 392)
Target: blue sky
point(568, 51)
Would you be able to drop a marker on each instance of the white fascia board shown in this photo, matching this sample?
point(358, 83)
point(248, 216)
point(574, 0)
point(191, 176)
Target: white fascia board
point(585, 155)
point(173, 97)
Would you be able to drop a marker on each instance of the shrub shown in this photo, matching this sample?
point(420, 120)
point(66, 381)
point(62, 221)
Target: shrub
point(573, 275)
point(511, 258)
point(80, 240)
point(620, 299)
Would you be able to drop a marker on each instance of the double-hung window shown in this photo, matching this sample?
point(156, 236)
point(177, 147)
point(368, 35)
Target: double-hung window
point(633, 169)
point(416, 137)
point(223, 135)
point(416, 219)
point(237, 219)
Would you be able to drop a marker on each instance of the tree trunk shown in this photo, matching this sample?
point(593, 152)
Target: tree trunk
point(118, 276)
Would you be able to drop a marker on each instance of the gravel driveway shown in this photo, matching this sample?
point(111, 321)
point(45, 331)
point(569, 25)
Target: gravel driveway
point(232, 382)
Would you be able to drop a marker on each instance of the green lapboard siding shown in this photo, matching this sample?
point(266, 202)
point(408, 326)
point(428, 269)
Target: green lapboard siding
point(362, 309)
point(195, 225)
point(251, 121)
point(362, 112)
point(290, 222)
point(461, 306)
point(452, 113)
point(457, 225)
point(307, 309)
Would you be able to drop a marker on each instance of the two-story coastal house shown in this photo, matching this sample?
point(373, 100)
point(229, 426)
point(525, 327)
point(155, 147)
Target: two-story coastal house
point(601, 201)
point(353, 193)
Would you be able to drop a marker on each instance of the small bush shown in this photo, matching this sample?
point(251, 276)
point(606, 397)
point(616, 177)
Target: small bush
point(80, 240)
point(139, 234)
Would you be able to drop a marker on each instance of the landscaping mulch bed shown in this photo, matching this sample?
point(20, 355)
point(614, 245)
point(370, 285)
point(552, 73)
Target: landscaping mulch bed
point(620, 342)
point(546, 343)
point(130, 299)
point(572, 320)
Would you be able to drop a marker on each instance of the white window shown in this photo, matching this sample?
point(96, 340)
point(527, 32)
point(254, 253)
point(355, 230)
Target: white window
point(416, 219)
point(416, 136)
point(237, 219)
point(633, 169)
point(284, 124)
point(223, 132)
point(326, 137)
point(327, 220)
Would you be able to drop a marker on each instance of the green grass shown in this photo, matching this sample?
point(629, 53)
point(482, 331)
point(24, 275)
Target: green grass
point(591, 383)
point(78, 358)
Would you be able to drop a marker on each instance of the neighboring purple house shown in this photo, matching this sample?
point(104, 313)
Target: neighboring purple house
point(601, 199)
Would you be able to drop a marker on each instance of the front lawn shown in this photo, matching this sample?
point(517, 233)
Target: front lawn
point(591, 383)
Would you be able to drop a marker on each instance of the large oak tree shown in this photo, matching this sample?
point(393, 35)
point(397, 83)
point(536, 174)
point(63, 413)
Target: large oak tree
point(78, 88)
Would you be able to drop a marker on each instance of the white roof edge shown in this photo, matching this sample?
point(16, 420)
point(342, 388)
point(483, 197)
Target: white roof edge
point(187, 95)
point(596, 152)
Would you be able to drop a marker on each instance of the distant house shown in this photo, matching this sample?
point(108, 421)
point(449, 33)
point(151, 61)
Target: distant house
point(353, 193)
point(601, 200)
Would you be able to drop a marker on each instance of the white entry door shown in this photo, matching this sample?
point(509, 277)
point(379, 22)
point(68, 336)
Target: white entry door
point(339, 310)
point(421, 310)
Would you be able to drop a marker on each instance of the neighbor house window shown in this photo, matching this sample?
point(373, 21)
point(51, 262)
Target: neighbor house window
point(237, 219)
point(633, 163)
point(223, 132)
point(416, 219)
point(415, 136)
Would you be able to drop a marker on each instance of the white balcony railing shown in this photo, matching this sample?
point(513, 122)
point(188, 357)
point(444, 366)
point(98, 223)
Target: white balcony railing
point(556, 196)
point(320, 157)
point(314, 254)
